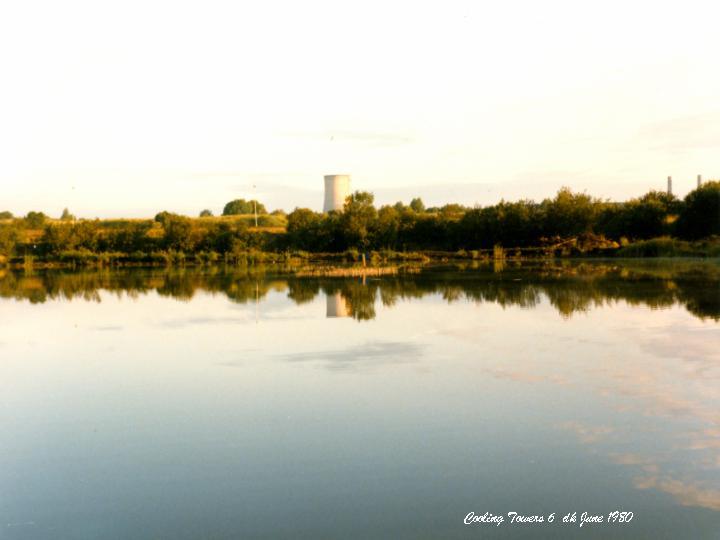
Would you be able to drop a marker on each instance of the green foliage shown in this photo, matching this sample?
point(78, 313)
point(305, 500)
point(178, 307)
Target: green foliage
point(178, 233)
point(206, 213)
point(647, 217)
point(35, 220)
point(304, 229)
point(671, 247)
point(241, 206)
point(568, 214)
point(417, 205)
point(452, 211)
point(515, 224)
point(567, 223)
point(358, 219)
point(272, 220)
point(131, 238)
point(399, 207)
point(161, 217)
point(700, 216)
point(176, 237)
point(222, 237)
point(667, 201)
point(67, 216)
point(6, 215)
point(85, 257)
point(84, 235)
point(9, 236)
point(510, 224)
point(388, 227)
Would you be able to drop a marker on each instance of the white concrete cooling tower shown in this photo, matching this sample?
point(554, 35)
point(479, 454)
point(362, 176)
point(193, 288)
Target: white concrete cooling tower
point(337, 188)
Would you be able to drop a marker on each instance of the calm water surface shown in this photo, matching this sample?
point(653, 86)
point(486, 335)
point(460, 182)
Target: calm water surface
point(238, 404)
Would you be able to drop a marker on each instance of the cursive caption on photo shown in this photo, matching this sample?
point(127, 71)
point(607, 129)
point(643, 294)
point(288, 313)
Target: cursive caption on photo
point(583, 519)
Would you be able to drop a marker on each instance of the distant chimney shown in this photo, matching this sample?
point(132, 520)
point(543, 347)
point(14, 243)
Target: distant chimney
point(669, 185)
point(699, 180)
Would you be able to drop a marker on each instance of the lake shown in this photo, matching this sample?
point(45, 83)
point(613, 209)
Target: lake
point(247, 403)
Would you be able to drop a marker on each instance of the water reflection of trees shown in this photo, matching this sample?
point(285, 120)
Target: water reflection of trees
point(570, 288)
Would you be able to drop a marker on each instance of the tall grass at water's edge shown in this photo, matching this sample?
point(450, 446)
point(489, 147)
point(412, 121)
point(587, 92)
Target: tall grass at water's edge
point(654, 248)
point(671, 247)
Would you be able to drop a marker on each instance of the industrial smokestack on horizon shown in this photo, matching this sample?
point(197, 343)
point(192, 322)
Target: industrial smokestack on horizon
point(669, 187)
point(337, 189)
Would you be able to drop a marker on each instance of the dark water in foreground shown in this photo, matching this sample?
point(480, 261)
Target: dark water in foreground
point(191, 404)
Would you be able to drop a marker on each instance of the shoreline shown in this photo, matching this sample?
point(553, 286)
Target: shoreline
point(325, 263)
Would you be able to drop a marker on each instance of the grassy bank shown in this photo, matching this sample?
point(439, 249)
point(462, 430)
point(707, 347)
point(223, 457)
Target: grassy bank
point(671, 247)
point(657, 247)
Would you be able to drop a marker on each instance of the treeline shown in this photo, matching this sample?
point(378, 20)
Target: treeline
point(361, 226)
point(166, 239)
point(509, 224)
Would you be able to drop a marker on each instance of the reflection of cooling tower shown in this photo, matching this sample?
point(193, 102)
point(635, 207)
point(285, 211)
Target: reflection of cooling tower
point(336, 306)
point(337, 188)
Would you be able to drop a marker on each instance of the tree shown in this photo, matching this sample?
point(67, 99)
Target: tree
point(517, 223)
point(417, 205)
point(647, 217)
point(82, 235)
point(388, 227)
point(178, 231)
point(221, 236)
point(700, 216)
point(87, 234)
point(241, 206)
point(8, 239)
point(358, 219)
point(131, 238)
point(59, 238)
point(67, 216)
point(611, 220)
point(35, 220)
point(6, 215)
point(206, 213)
point(424, 231)
point(452, 210)
point(477, 228)
point(303, 228)
point(569, 214)
point(669, 202)
point(161, 217)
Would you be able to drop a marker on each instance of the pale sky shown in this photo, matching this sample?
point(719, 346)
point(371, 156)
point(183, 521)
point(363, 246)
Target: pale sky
point(128, 108)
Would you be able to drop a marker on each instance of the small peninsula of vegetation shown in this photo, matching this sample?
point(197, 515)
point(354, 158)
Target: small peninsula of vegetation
point(570, 224)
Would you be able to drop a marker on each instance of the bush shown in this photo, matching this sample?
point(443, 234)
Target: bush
point(241, 206)
point(661, 247)
point(9, 236)
point(35, 220)
point(700, 216)
point(352, 255)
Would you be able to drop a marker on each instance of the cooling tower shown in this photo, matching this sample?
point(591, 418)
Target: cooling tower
point(337, 188)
